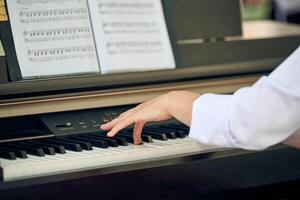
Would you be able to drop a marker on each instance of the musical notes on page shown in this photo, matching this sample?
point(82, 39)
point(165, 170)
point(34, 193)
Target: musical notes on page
point(61, 34)
point(30, 2)
point(53, 37)
point(131, 35)
point(54, 15)
point(57, 54)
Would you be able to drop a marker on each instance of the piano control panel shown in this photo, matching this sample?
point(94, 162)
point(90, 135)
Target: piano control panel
point(82, 121)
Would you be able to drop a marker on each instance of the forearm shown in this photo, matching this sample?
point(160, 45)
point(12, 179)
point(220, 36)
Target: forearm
point(255, 117)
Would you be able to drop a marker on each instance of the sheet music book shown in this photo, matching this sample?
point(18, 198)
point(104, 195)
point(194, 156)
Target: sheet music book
point(65, 37)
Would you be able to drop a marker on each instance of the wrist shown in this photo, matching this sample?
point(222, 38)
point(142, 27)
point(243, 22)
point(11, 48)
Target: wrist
point(166, 103)
point(178, 103)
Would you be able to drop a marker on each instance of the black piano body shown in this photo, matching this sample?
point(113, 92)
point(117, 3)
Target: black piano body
point(51, 108)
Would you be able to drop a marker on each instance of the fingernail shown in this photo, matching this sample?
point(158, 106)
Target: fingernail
point(103, 126)
point(138, 142)
point(109, 134)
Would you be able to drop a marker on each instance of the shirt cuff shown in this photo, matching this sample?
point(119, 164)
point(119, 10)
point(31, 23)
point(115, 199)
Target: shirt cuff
point(210, 123)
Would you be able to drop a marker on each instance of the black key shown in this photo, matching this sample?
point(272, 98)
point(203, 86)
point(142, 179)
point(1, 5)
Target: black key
point(179, 133)
point(68, 145)
point(122, 137)
point(182, 126)
point(19, 153)
point(84, 145)
point(48, 150)
point(58, 148)
point(110, 141)
point(127, 137)
point(30, 150)
point(8, 155)
point(145, 138)
point(93, 142)
point(185, 129)
point(158, 136)
point(170, 134)
point(121, 141)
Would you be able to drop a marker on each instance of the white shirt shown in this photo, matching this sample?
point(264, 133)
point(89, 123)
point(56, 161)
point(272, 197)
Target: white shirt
point(253, 117)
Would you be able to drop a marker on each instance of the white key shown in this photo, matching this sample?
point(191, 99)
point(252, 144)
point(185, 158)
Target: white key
point(97, 158)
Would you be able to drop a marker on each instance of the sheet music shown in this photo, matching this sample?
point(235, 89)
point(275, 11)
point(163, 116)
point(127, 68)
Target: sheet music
point(131, 35)
point(53, 37)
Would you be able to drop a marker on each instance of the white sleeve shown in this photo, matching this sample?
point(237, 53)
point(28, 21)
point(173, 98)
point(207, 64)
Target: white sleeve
point(254, 117)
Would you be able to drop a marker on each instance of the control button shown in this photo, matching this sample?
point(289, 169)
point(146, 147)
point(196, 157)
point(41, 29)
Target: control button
point(107, 114)
point(105, 120)
point(114, 113)
point(65, 125)
point(94, 121)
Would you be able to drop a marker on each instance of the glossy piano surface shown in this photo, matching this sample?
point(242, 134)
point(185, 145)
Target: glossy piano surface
point(72, 141)
point(208, 175)
point(71, 162)
point(58, 155)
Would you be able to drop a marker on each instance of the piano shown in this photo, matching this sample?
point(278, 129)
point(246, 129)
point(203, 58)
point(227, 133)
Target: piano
point(51, 146)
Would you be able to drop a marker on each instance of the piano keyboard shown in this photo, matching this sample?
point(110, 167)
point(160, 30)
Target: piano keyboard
point(32, 158)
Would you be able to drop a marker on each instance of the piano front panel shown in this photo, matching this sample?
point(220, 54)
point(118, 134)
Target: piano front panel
point(68, 154)
point(236, 173)
point(73, 141)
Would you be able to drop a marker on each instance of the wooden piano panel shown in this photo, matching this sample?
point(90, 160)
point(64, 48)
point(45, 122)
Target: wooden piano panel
point(230, 173)
point(124, 96)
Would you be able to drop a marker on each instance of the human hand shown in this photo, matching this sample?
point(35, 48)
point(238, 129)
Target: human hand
point(176, 104)
point(293, 140)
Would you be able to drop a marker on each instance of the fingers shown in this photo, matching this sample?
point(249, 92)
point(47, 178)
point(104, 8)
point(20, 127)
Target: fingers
point(124, 120)
point(137, 131)
point(119, 126)
point(138, 116)
point(111, 124)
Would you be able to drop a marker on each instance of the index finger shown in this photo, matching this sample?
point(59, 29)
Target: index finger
point(119, 126)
